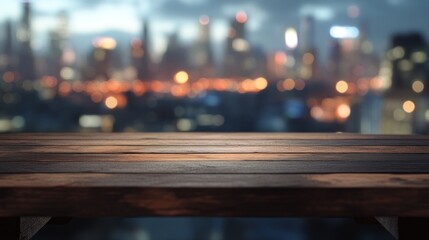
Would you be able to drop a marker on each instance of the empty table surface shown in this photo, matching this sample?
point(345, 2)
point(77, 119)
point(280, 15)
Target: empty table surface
point(213, 174)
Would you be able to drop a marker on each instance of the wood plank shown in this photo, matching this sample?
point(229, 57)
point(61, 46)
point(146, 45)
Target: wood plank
point(215, 195)
point(142, 157)
point(215, 149)
point(201, 135)
point(220, 167)
point(215, 142)
point(340, 180)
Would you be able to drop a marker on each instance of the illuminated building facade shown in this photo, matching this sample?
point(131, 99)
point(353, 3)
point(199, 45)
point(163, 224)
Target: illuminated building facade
point(6, 52)
point(61, 57)
point(101, 60)
point(307, 50)
point(175, 58)
point(140, 55)
point(202, 58)
point(405, 77)
point(238, 61)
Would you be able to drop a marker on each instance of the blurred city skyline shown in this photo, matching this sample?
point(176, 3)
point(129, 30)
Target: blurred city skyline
point(266, 26)
point(320, 71)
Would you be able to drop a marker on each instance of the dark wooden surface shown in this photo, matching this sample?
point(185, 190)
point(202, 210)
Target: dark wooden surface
point(217, 174)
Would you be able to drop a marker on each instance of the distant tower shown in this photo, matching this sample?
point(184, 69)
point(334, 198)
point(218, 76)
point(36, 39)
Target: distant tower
point(405, 79)
point(102, 60)
point(141, 55)
point(6, 57)
point(175, 58)
point(203, 56)
point(307, 35)
point(61, 56)
point(409, 60)
point(27, 69)
point(238, 62)
point(307, 49)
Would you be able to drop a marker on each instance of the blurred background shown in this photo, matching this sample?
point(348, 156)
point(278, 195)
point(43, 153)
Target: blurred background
point(224, 65)
point(200, 65)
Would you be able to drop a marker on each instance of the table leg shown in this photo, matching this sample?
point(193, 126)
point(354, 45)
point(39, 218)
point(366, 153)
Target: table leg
point(404, 228)
point(21, 228)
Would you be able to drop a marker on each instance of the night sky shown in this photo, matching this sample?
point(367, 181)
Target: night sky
point(267, 18)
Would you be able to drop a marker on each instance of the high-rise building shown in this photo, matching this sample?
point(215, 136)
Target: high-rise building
point(101, 61)
point(61, 57)
point(405, 75)
point(308, 63)
point(352, 58)
point(6, 52)
point(175, 58)
point(140, 54)
point(306, 39)
point(26, 61)
point(408, 58)
point(238, 60)
point(202, 59)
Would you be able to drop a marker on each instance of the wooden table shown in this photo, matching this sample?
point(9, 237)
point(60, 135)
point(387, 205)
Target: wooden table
point(213, 174)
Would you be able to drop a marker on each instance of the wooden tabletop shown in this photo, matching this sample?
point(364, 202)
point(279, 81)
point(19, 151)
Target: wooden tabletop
point(213, 174)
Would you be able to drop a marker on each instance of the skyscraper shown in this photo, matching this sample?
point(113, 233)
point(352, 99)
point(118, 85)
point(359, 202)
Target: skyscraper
point(202, 58)
point(306, 35)
point(102, 59)
point(26, 62)
point(6, 52)
point(406, 72)
point(238, 61)
point(175, 58)
point(308, 63)
point(140, 53)
point(409, 60)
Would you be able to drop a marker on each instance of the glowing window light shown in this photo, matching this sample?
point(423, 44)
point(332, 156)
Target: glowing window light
point(289, 84)
point(308, 58)
point(240, 45)
point(342, 32)
point(280, 58)
point(181, 77)
point(90, 121)
point(241, 17)
point(418, 86)
point(105, 43)
point(111, 102)
point(204, 20)
point(261, 83)
point(185, 125)
point(409, 106)
point(342, 86)
point(419, 57)
point(291, 38)
point(343, 111)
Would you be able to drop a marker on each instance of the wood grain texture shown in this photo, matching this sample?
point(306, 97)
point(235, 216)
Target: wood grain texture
point(213, 174)
point(201, 136)
point(215, 142)
point(142, 157)
point(86, 195)
point(219, 167)
point(214, 149)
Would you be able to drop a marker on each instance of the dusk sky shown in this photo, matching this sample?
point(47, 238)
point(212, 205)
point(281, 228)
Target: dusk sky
point(268, 19)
